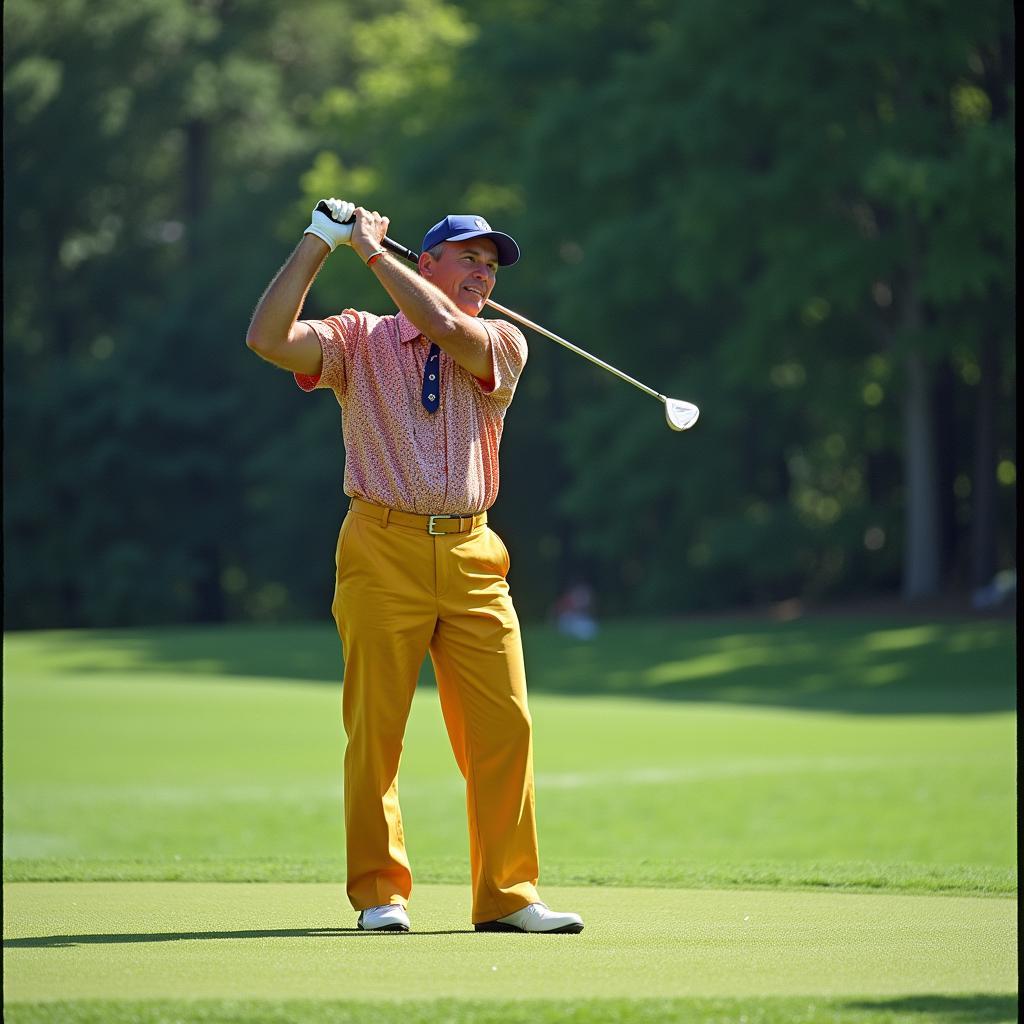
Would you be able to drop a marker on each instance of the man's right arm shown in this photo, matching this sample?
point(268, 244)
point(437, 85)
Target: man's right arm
point(275, 333)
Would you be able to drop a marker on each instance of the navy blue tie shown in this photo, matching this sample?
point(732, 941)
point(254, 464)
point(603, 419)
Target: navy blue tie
point(432, 379)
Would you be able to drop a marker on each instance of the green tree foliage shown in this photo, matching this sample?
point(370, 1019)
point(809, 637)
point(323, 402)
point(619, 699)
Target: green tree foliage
point(150, 148)
point(800, 218)
point(779, 216)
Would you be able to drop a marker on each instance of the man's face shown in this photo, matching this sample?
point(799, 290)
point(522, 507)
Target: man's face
point(465, 271)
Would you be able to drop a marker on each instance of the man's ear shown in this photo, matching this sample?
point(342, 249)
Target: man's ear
point(424, 264)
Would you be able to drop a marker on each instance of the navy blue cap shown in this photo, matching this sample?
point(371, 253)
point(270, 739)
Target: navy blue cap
point(458, 226)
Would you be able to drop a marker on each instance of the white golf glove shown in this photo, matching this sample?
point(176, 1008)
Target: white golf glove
point(332, 229)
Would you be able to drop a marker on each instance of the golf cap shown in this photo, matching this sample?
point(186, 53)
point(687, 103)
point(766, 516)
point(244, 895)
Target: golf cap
point(457, 227)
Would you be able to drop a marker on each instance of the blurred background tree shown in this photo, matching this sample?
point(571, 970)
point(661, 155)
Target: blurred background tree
point(800, 218)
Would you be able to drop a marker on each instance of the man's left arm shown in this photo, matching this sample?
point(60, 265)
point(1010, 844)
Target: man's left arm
point(436, 316)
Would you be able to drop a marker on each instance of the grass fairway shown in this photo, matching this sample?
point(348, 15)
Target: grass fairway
point(811, 821)
point(149, 940)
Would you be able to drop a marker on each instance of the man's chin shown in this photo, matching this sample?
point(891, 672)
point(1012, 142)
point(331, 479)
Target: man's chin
point(471, 308)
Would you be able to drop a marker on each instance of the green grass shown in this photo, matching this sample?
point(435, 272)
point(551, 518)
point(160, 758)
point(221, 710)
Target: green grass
point(274, 941)
point(120, 765)
point(943, 1009)
point(835, 876)
point(706, 761)
point(860, 665)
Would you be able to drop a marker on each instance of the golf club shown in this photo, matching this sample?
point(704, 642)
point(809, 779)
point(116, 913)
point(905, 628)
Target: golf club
point(680, 415)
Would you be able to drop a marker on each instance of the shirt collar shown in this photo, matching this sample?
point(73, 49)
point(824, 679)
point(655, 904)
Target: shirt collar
point(407, 330)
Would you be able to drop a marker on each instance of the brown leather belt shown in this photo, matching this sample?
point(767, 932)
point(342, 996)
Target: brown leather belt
point(436, 526)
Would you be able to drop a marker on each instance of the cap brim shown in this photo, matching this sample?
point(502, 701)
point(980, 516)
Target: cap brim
point(508, 248)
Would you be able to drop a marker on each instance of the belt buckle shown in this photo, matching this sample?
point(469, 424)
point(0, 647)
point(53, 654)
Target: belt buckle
point(438, 533)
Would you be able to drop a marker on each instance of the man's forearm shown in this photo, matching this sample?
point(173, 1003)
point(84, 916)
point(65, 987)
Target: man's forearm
point(436, 316)
point(279, 308)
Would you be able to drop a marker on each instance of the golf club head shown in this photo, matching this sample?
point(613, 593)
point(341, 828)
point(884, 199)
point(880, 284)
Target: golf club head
point(680, 415)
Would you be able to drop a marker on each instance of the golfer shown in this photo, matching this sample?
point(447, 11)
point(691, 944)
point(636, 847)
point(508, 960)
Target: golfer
point(423, 396)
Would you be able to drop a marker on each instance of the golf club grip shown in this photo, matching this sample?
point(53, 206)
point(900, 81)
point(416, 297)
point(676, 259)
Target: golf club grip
point(399, 250)
point(392, 246)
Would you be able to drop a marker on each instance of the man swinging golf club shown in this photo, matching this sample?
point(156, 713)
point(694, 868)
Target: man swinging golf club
point(423, 397)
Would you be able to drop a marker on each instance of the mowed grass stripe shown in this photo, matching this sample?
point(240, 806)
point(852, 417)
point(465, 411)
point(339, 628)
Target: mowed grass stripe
point(921, 1009)
point(79, 941)
point(937, 880)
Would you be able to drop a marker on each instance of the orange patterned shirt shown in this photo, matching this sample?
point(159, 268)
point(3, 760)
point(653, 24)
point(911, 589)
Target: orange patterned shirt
point(396, 453)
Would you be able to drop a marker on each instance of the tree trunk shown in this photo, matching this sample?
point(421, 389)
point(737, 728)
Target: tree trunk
point(947, 459)
point(983, 512)
point(197, 180)
point(209, 594)
point(921, 547)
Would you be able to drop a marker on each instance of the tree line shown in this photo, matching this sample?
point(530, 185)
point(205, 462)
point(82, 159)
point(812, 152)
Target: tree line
point(800, 218)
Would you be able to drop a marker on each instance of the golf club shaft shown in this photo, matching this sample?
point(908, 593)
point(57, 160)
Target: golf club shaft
point(401, 250)
point(575, 348)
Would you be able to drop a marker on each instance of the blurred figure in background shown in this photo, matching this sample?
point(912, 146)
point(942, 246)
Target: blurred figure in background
point(1001, 590)
point(573, 612)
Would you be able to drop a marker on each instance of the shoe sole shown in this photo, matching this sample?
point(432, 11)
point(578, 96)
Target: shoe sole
point(382, 928)
point(498, 926)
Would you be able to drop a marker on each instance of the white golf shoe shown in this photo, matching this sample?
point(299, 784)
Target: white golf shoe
point(389, 918)
point(535, 918)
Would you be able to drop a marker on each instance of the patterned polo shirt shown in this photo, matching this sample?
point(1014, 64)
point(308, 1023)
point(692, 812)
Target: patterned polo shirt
point(396, 452)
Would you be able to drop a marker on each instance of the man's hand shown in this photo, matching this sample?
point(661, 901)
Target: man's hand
point(332, 229)
point(368, 231)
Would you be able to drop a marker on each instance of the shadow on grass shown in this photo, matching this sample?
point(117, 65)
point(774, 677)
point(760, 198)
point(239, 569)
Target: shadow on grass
point(62, 941)
point(958, 1009)
point(856, 665)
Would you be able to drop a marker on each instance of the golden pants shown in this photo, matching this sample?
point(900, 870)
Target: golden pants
point(400, 593)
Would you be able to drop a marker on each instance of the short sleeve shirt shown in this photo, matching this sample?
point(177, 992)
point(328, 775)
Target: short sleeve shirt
point(396, 452)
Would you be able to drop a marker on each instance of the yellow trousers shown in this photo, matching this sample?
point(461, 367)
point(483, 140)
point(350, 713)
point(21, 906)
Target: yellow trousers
point(400, 593)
